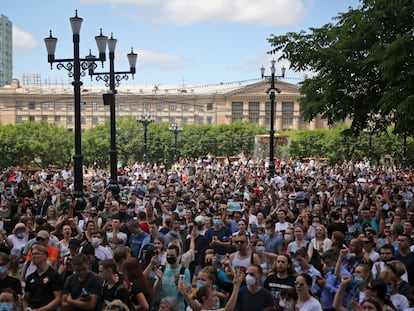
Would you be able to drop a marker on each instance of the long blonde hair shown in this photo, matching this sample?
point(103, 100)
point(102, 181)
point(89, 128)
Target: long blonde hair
point(119, 305)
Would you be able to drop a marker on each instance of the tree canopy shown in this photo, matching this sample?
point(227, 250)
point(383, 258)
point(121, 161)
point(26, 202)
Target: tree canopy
point(363, 63)
point(41, 144)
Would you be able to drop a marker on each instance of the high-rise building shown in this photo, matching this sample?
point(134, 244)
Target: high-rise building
point(6, 51)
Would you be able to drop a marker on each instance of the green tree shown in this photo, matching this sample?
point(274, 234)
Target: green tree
point(40, 142)
point(364, 65)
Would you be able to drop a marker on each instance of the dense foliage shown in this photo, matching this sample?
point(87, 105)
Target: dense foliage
point(43, 143)
point(363, 64)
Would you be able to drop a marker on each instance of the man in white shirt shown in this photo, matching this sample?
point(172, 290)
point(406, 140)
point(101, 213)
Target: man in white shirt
point(116, 238)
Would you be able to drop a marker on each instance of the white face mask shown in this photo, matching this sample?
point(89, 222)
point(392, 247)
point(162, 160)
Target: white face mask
point(95, 242)
point(288, 237)
point(250, 280)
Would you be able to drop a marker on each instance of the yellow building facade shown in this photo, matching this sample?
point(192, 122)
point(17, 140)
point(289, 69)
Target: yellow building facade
point(204, 104)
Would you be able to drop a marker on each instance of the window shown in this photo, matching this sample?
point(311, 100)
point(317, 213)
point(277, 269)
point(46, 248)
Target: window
point(83, 120)
point(173, 107)
point(107, 118)
point(210, 120)
point(95, 119)
point(134, 106)
point(254, 112)
point(57, 119)
point(237, 111)
point(95, 106)
point(185, 107)
point(209, 106)
point(83, 106)
point(200, 107)
point(160, 107)
point(19, 119)
point(172, 119)
point(69, 119)
point(70, 106)
point(287, 113)
point(45, 106)
point(58, 106)
point(147, 107)
point(200, 120)
point(32, 118)
point(32, 105)
point(158, 119)
point(121, 107)
point(44, 118)
point(107, 107)
point(70, 130)
point(185, 120)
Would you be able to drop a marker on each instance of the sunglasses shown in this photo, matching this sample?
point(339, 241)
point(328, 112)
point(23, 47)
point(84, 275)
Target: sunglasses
point(239, 242)
point(251, 274)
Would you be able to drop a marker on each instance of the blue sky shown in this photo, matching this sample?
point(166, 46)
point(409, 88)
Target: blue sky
point(177, 41)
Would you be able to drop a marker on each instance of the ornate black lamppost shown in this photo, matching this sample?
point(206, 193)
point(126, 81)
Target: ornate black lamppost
point(175, 129)
point(112, 79)
point(272, 95)
point(76, 68)
point(145, 120)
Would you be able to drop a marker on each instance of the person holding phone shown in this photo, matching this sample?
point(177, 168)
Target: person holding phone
point(82, 290)
point(167, 280)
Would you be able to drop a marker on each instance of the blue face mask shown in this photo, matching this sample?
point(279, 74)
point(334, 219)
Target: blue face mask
point(200, 283)
point(260, 249)
point(216, 222)
point(331, 268)
point(390, 289)
point(21, 235)
point(3, 270)
point(358, 280)
point(6, 306)
point(180, 208)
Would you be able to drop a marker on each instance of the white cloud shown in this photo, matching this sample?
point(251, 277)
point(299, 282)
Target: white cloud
point(162, 60)
point(23, 40)
point(186, 12)
point(262, 12)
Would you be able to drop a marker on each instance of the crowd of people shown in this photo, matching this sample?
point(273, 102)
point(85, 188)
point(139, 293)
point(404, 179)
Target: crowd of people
point(205, 235)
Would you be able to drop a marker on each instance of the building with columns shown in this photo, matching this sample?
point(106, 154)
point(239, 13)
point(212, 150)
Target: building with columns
point(203, 104)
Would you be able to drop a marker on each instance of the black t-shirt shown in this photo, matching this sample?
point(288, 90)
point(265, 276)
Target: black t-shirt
point(247, 301)
point(92, 284)
point(42, 287)
point(275, 285)
point(11, 282)
point(118, 291)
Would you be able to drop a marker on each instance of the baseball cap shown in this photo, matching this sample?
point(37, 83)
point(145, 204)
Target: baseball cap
point(43, 234)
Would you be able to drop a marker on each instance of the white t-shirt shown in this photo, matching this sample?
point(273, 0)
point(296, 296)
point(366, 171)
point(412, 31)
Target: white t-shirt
point(400, 302)
point(18, 245)
point(102, 252)
point(121, 236)
point(282, 226)
point(311, 305)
